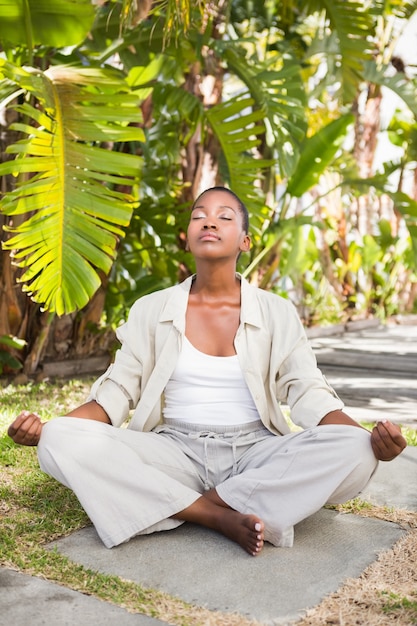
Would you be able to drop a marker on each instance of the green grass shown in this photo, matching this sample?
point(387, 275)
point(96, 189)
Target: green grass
point(394, 602)
point(48, 398)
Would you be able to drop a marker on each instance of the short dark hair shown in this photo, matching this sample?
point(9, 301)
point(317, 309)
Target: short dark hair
point(242, 208)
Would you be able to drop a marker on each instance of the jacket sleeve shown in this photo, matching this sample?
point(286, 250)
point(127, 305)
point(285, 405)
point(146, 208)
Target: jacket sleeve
point(300, 383)
point(118, 389)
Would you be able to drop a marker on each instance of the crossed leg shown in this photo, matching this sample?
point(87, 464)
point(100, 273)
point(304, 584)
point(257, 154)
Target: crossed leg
point(149, 483)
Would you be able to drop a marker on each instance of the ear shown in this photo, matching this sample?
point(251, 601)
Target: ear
point(187, 247)
point(246, 243)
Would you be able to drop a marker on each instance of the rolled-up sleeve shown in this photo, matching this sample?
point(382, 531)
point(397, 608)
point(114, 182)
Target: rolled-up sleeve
point(118, 389)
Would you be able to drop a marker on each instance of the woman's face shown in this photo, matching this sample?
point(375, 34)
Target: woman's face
point(216, 226)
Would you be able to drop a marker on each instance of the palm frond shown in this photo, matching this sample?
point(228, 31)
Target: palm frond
point(76, 214)
point(238, 127)
point(404, 87)
point(353, 25)
point(280, 95)
point(404, 10)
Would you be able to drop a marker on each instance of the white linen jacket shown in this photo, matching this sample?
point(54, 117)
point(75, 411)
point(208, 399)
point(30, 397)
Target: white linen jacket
point(277, 361)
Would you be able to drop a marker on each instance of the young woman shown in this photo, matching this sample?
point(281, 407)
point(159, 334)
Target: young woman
point(204, 366)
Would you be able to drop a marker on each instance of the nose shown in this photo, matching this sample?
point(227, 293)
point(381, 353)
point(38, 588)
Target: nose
point(209, 224)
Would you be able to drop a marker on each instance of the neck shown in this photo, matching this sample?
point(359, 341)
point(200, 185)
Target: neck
point(214, 280)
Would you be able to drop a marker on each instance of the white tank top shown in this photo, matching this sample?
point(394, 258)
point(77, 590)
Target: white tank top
point(206, 389)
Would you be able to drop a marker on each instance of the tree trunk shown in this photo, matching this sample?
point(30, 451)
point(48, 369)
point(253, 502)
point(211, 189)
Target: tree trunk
point(200, 166)
point(200, 162)
point(366, 138)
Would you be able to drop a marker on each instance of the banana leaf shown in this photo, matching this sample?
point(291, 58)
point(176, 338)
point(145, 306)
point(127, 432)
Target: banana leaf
point(67, 182)
point(317, 153)
point(54, 23)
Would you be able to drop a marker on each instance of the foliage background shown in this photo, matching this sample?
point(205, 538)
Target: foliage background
point(111, 123)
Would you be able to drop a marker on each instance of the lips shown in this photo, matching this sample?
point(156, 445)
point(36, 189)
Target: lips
point(209, 237)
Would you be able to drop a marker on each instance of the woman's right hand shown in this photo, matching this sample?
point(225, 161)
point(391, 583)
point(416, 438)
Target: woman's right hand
point(26, 429)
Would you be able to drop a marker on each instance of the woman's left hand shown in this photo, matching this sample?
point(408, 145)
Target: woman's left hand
point(387, 441)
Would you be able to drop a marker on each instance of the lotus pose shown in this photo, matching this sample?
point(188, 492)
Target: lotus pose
point(201, 372)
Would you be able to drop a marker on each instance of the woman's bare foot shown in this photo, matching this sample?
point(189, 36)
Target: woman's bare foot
point(246, 530)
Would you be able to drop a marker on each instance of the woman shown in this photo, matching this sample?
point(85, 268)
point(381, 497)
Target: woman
point(204, 366)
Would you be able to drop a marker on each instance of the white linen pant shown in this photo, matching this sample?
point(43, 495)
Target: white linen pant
point(131, 482)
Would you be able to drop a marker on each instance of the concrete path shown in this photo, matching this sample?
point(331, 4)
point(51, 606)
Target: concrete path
point(29, 601)
point(373, 369)
point(205, 569)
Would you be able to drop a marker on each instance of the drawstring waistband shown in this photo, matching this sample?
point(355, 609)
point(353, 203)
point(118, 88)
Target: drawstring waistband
point(206, 435)
point(228, 434)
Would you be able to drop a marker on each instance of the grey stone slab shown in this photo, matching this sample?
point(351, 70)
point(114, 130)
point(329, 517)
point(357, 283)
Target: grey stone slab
point(205, 569)
point(395, 483)
point(30, 601)
point(377, 361)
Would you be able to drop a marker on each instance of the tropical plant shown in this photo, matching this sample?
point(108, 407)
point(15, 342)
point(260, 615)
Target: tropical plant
point(308, 180)
point(121, 121)
point(75, 216)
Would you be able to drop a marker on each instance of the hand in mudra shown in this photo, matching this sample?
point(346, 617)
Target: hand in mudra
point(26, 429)
point(387, 441)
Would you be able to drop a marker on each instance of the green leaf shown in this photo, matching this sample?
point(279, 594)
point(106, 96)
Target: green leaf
point(54, 23)
point(12, 342)
point(8, 361)
point(353, 25)
point(74, 215)
point(280, 95)
point(404, 87)
point(403, 9)
point(238, 127)
point(317, 153)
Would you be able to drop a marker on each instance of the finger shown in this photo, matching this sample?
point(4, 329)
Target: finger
point(20, 420)
point(378, 444)
point(394, 431)
point(25, 429)
point(17, 423)
point(383, 445)
point(32, 437)
point(391, 435)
